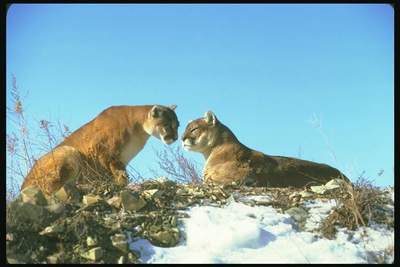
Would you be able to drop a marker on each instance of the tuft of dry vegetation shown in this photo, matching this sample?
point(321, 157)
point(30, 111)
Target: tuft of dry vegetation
point(359, 205)
point(175, 165)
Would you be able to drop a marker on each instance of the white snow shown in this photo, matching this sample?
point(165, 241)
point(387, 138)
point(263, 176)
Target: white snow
point(318, 210)
point(239, 233)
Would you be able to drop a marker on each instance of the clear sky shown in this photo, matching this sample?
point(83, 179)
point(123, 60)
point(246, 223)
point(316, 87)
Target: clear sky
point(264, 69)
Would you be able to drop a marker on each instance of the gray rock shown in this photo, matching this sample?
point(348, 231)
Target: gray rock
point(167, 237)
point(148, 194)
point(319, 189)
point(120, 242)
point(9, 237)
point(33, 195)
point(56, 208)
point(93, 254)
point(336, 183)
point(131, 201)
point(121, 260)
point(13, 260)
point(53, 229)
point(91, 242)
point(115, 202)
point(306, 194)
point(68, 193)
point(297, 213)
point(90, 199)
point(54, 258)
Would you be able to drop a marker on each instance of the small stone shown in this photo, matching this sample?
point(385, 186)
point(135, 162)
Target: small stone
point(335, 183)
point(132, 257)
point(54, 258)
point(297, 213)
point(12, 260)
point(115, 202)
point(56, 208)
point(306, 194)
point(33, 195)
point(52, 230)
point(319, 189)
point(181, 191)
point(91, 242)
point(120, 242)
point(9, 237)
point(173, 221)
point(131, 200)
point(148, 194)
point(294, 196)
point(68, 193)
point(90, 199)
point(93, 254)
point(121, 260)
point(165, 238)
point(121, 245)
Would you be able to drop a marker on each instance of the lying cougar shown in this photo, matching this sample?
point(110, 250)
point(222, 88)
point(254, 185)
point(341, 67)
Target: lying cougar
point(229, 160)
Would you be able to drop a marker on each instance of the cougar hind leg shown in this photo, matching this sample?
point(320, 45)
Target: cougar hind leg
point(54, 169)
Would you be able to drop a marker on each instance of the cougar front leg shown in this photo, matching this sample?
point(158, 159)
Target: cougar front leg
point(119, 172)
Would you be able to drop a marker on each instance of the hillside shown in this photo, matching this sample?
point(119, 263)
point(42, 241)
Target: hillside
point(160, 221)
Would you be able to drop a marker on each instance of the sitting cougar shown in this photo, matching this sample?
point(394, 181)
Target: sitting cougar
point(109, 141)
point(228, 160)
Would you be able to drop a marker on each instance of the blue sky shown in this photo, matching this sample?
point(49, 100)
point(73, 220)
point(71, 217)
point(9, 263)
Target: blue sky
point(264, 69)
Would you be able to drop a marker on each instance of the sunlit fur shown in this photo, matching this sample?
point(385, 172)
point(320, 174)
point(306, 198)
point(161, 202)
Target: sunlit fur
point(228, 160)
point(110, 140)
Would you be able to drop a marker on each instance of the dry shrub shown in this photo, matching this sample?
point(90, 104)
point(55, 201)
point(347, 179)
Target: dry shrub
point(176, 166)
point(359, 205)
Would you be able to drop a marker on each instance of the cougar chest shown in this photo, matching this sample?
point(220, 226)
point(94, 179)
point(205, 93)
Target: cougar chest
point(131, 147)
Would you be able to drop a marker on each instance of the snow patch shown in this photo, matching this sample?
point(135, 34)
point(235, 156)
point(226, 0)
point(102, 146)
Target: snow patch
point(239, 233)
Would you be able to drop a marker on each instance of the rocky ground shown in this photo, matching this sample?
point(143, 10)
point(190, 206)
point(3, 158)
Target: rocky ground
point(93, 224)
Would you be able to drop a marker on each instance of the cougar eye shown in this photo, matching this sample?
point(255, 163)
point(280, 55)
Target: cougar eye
point(194, 129)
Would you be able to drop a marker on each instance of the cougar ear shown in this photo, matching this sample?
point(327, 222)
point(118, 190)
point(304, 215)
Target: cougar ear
point(173, 107)
point(155, 111)
point(210, 118)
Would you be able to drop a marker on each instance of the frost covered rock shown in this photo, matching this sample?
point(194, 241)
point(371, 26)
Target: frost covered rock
point(168, 237)
point(330, 185)
point(297, 213)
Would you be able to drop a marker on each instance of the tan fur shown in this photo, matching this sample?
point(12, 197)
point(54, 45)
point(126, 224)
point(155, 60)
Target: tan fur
point(229, 160)
point(109, 141)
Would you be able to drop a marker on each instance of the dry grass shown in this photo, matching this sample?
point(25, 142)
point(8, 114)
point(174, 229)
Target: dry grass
point(359, 205)
point(176, 166)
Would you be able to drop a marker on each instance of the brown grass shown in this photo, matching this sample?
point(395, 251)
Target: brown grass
point(176, 166)
point(359, 205)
